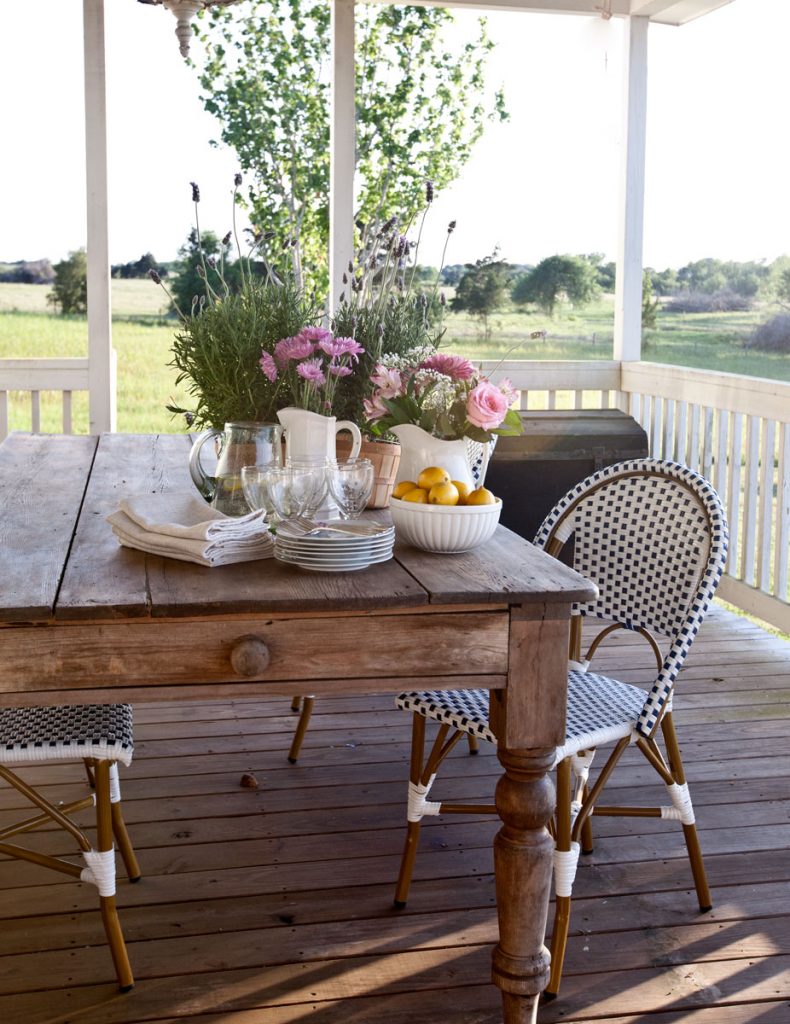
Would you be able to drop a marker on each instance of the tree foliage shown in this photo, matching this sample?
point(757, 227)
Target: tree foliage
point(420, 110)
point(70, 288)
point(649, 302)
point(572, 277)
point(139, 268)
point(482, 289)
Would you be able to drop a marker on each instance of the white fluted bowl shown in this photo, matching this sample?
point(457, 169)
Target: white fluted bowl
point(444, 528)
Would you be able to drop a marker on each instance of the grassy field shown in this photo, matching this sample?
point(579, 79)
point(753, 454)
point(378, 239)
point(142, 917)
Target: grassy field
point(142, 336)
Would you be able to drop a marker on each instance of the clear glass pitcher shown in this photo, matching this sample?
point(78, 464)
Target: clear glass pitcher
point(238, 445)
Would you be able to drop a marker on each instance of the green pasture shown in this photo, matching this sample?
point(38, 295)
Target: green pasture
point(142, 335)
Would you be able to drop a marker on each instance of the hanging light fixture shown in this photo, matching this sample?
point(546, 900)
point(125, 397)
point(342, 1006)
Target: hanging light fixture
point(184, 11)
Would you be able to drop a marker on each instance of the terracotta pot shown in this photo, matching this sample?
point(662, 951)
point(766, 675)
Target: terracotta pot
point(385, 456)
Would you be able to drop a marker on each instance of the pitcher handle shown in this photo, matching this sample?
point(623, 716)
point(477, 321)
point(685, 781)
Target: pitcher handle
point(356, 436)
point(205, 484)
point(484, 464)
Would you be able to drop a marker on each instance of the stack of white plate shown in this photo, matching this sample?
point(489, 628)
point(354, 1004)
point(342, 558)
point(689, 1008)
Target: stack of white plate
point(333, 547)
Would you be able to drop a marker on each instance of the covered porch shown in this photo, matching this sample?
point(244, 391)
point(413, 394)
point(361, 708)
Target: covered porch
point(296, 876)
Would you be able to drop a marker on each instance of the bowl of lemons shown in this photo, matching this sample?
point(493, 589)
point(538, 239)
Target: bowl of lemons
point(438, 514)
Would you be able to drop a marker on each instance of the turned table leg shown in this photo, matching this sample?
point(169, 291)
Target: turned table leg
point(529, 719)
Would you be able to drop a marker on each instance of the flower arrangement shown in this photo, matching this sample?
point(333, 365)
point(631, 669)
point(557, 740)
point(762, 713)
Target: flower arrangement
point(444, 394)
point(309, 365)
point(217, 349)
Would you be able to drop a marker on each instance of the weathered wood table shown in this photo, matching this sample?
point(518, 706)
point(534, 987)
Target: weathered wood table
point(83, 620)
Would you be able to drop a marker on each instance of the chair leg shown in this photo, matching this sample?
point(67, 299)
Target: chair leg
point(109, 911)
point(296, 703)
point(122, 839)
point(564, 870)
point(474, 744)
point(412, 827)
point(301, 729)
point(587, 841)
point(686, 814)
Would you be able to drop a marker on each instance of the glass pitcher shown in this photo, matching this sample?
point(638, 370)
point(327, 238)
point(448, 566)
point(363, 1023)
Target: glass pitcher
point(238, 445)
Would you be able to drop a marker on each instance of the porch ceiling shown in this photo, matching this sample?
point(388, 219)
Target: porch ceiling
point(666, 12)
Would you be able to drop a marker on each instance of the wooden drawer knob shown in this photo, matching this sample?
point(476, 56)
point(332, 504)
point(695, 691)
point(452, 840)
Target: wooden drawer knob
point(250, 657)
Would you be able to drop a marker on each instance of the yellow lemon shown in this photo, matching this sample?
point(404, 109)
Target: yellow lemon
point(464, 489)
point(443, 494)
point(402, 488)
point(431, 476)
point(482, 496)
point(418, 495)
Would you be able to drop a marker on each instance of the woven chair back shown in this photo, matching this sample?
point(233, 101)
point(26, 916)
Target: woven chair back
point(652, 535)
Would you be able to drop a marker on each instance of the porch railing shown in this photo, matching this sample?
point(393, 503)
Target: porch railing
point(35, 377)
point(735, 430)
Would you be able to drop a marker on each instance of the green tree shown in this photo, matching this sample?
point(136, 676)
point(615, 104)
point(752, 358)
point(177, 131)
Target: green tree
point(420, 110)
point(70, 288)
point(649, 301)
point(189, 284)
point(482, 289)
point(571, 277)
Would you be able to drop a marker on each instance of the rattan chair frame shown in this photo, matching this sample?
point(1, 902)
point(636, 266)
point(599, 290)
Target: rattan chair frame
point(577, 802)
point(110, 830)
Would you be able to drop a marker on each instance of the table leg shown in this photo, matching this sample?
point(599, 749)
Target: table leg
point(529, 719)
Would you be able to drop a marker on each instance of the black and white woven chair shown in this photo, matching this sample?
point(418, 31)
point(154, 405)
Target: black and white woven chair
point(100, 736)
point(653, 536)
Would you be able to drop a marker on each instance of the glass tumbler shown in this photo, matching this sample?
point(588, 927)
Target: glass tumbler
point(351, 484)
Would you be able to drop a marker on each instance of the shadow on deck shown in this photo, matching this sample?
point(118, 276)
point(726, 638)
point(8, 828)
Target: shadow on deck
point(272, 905)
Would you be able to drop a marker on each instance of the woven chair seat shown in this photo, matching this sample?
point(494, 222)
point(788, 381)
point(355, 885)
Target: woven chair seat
point(600, 710)
point(101, 731)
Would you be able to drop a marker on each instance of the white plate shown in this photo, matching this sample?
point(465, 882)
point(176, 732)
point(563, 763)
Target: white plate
point(334, 566)
point(333, 550)
point(286, 556)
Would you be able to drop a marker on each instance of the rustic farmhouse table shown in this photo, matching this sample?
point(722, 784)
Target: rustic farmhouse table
point(83, 620)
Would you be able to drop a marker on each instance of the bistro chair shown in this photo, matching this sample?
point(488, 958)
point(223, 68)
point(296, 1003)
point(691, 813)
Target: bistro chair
point(652, 535)
point(100, 736)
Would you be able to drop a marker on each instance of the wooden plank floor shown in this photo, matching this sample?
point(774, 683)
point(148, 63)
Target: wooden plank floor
point(272, 905)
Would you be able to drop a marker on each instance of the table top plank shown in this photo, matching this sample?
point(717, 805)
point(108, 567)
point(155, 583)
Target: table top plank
point(43, 482)
point(102, 578)
point(505, 568)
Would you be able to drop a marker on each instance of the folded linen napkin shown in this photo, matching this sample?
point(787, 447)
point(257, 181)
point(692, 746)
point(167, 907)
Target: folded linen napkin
point(182, 526)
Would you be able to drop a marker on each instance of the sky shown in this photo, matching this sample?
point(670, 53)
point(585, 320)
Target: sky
point(718, 152)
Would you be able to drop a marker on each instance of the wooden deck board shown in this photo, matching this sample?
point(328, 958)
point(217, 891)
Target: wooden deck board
point(273, 905)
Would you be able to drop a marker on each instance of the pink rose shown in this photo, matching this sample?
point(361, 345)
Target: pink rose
point(486, 406)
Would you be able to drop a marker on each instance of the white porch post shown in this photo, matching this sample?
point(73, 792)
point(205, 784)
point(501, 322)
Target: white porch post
point(342, 140)
point(101, 358)
point(628, 289)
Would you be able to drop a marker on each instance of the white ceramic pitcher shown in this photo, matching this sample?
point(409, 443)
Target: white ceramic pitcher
point(464, 459)
point(310, 435)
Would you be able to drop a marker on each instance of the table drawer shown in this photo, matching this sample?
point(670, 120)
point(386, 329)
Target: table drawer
point(163, 653)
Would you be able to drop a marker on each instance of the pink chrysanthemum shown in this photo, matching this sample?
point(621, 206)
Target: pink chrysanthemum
point(311, 371)
point(339, 370)
point(293, 348)
point(454, 367)
point(336, 347)
point(315, 334)
point(269, 366)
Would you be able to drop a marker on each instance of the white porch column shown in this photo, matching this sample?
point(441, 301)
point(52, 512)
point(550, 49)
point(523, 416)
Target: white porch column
point(101, 358)
point(342, 148)
point(628, 290)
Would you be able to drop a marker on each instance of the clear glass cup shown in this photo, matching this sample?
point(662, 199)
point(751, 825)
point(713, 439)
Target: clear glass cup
point(318, 466)
point(351, 485)
point(291, 490)
point(255, 481)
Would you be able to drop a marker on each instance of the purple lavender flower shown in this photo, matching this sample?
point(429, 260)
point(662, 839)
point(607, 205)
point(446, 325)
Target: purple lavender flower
point(269, 366)
point(195, 192)
point(237, 179)
point(226, 239)
point(154, 276)
point(311, 371)
point(429, 191)
point(451, 227)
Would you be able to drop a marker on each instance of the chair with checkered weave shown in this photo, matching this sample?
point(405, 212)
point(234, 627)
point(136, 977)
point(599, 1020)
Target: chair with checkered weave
point(652, 535)
point(99, 736)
